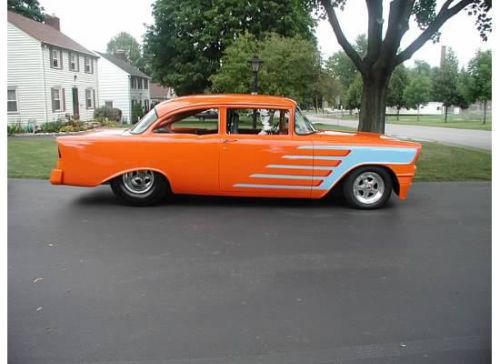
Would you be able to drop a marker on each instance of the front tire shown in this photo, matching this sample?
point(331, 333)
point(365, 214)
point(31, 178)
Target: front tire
point(368, 188)
point(140, 188)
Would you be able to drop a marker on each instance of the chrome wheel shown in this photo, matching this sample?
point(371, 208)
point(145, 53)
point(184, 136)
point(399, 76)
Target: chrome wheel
point(138, 182)
point(368, 188)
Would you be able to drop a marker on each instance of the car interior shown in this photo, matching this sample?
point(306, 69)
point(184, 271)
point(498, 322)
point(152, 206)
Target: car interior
point(257, 121)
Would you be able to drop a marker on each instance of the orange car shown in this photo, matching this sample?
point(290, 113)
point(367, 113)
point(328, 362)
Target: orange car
point(253, 145)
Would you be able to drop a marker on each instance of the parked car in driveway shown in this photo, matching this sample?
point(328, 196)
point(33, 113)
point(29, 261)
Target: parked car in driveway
point(170, 151)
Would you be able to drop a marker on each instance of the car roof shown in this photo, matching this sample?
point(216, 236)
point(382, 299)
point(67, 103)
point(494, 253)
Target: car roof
point(227, 99)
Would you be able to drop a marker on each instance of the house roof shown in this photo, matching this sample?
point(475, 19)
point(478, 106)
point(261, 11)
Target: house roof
point(157, 91)
point(45, 33)
point(127, 67)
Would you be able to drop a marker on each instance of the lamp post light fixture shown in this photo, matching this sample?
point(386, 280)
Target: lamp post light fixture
point(255, 64)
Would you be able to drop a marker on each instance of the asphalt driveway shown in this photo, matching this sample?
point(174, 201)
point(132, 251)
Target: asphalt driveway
point(480, 139)
point(217, 280)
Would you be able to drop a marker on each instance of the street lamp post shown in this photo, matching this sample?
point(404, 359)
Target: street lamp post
point(255, 64)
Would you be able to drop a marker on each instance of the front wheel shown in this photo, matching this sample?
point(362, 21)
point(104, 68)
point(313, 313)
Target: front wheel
point(368, 188)
point(140, 188)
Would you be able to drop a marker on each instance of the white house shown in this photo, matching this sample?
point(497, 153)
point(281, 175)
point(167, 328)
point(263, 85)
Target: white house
point(121, 85)
point(49, 76)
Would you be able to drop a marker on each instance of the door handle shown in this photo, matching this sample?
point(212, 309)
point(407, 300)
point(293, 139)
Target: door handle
point(230, 140)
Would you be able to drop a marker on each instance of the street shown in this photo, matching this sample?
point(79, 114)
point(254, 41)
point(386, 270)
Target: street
point(480, 139)
point(226, 280)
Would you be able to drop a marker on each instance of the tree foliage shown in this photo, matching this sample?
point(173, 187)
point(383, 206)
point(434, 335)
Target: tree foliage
point(418, 92)
point(399, 82)
point(186, 43)
point(479, 83)
point(291, 68)
point(125, 41)
point(384, 39)
point(341, 67)
point(445, 84)
point(354, 93)
point(28, 8)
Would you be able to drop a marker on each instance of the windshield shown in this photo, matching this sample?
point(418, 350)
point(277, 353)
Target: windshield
point(302, 124)
point(146, 121)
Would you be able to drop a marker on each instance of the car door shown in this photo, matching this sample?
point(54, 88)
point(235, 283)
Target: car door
point(187, 149)
point(271, 165)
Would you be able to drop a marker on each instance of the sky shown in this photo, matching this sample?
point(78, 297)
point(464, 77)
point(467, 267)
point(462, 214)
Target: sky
point(93, 23)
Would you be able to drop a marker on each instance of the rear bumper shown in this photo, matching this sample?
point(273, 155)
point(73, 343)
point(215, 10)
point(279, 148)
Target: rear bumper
point(56, 176)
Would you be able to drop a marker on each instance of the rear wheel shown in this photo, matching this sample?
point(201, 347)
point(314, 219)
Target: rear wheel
point(141, 187)
point(368, 188)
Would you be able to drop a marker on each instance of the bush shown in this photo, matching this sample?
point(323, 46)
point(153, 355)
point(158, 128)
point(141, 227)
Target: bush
point(137, 113)
point(107, 113)
point(109, 123)
point(51, 127)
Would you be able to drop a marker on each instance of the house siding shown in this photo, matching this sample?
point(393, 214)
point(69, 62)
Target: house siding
point(65, 79)
point(114, 85)
point(24, 70)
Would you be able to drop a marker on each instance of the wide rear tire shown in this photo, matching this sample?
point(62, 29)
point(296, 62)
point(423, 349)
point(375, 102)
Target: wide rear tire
point(140, 188)
point(367, 188)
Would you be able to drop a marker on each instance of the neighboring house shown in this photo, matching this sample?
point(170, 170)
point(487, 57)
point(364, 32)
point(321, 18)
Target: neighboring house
point(160, 93)
point(121, 85)
point(431, 108)
point(49, 76)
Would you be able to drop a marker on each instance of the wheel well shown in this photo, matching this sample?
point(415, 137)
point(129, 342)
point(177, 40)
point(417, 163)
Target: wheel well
point(394, 179)
point(109, 179)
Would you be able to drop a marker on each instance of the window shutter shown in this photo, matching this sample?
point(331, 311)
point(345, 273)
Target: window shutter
point(52, 99)
point(63, 99)
point(93, 99)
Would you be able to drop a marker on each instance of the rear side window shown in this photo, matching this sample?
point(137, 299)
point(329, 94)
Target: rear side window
point(146, 121)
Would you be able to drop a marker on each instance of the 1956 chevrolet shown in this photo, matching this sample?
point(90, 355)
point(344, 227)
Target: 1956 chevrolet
point(252, 145)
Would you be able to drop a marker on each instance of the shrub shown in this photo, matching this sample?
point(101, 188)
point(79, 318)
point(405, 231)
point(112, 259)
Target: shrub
point(51, 127)
point(107, 113)
point(109, 123)
point(137, 113)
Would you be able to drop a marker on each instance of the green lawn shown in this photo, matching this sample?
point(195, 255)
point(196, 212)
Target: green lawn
point(34, 157)
point(31, 157)
point(454, 121)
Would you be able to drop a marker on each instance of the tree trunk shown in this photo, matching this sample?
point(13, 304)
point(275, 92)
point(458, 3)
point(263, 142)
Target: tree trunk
point(484, 111)
point(372, 113)
point(445, 114)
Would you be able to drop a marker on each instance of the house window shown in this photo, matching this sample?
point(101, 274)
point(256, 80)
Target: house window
point(12, 100)
point(55, 58)
point(73, 62)
point(90, 98)
point(108, 104)
point(56, 99)
point(132, 82)
point(139, 83)
point(89, 65)
point(145, 83)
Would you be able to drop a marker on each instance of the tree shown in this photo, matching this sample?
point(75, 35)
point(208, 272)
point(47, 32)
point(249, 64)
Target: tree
point(354, 93)
point(384, 54)
point(124, 41)
point(188, 38)
point(28, 8)
point(418, 93)
point(397, 85)
point(479, 87)
point(341, 67)
point(289, 66)
point(445, 84)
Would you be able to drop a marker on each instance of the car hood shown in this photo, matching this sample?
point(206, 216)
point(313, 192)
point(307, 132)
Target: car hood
point(363, 138)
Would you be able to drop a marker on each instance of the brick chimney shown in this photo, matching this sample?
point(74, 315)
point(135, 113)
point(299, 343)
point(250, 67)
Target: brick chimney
point(53, 21)
point(121, 54)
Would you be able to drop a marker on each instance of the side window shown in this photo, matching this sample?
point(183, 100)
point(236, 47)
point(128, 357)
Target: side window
point(198, 122)
point(258, 121)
